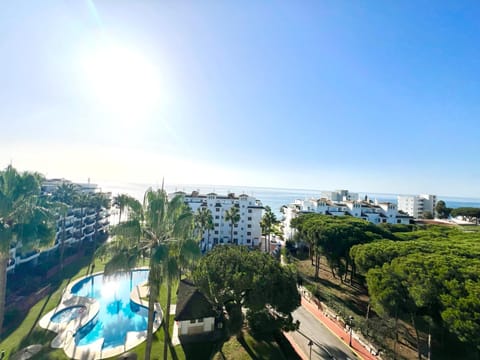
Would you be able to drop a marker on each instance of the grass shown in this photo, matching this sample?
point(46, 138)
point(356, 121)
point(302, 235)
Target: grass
point(28, 332)
point(246, 347)
point(352, 300)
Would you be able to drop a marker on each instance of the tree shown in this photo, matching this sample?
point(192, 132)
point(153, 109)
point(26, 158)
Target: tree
point(427, 215)
point(432, 272)
point(98, 201)
point(442, 211)
point(165, 238)
point(268, 220)
point(127, 203)
point(235, 278)
point(24, 217)
point(470, 213)
point(65, 195)
point(333, 237)
point(232, 215)
point(204, 222)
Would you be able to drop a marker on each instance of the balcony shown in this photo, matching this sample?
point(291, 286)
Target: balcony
point(28, 256)
point(57, 243)
point(11, 264)
point(90, 216)
point(89, 231)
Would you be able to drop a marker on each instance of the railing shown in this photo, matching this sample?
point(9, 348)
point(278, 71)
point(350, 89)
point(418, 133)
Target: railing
point(28, 257)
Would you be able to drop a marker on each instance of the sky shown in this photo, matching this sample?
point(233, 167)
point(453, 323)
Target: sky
point(374, 96)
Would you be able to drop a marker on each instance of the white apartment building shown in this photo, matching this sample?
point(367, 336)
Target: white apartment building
point(246, 232)
point(375, 212)
point(416, 205)
point(80, 225)
point(339, 195)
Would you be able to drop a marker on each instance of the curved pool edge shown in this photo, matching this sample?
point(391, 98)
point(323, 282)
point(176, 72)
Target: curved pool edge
point(66, 331)
point(91, 310)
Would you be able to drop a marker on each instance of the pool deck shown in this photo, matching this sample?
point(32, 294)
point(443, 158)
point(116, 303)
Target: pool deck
point(66, 331)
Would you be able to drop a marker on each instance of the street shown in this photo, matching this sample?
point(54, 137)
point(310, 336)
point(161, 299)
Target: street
point(325, 345)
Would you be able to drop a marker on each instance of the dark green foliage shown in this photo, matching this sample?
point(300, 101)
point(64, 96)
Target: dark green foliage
point(435, 272)
point(442, 211)
point(427, 215)
point(470, 213)
point(268, 221)
point(334, 236)
point(234, 278)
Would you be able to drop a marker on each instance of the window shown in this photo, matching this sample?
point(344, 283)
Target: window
point(200, 320)
point(216, 232)
point(248, 241)
point(235, 233)
point(217, 216)
point(249, 233)
point(216, 224)
point(217, 209)
point(236, 225)
point(249, 218)
point(192, 321)
point(249, 211)
point(249, 226)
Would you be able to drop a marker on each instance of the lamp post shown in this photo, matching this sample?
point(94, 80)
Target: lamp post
point(350, 325)
point(310, 344)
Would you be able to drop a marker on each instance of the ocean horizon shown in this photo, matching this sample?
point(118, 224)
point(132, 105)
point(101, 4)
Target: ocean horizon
point(271, 196)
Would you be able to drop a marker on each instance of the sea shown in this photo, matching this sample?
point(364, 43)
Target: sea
point(273, 197)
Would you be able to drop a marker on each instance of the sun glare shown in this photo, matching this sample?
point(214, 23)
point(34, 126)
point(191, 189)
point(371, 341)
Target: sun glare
point(123, 81)
point(110, 289)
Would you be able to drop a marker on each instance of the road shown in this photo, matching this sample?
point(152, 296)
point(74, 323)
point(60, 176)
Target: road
point(325, 344)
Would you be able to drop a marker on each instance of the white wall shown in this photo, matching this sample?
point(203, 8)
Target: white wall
point(206, 325)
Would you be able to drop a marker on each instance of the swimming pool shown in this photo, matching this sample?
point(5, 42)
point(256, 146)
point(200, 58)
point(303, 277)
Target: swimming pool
point(68, 314)
point(117, 314)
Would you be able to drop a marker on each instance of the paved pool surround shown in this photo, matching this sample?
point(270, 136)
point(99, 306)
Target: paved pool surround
point(66, 330)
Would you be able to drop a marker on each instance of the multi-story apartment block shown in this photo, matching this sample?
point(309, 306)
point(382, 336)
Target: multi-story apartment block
point(246, 232)
point(81, 225)
point(375, 212)
point(339, 195)
point(417, 205)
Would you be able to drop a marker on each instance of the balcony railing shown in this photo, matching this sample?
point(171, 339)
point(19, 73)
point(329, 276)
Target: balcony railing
point(28, 256)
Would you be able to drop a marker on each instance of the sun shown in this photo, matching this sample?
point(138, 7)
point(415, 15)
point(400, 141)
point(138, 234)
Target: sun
point(121, 80)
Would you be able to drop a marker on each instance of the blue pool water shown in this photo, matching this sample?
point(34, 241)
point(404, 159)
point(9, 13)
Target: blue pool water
point(67, 314)
point(117, 315)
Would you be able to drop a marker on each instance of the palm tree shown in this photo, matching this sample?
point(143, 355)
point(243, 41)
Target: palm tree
point(98, 201)
point(65, 195)
point(23, 218)
point(268, 220)
point(126, 202)
point(163, 237)
point(232, 215)
point(204, 222)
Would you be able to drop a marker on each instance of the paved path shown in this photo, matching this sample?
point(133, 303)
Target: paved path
point(339, 332)
point(324, 344)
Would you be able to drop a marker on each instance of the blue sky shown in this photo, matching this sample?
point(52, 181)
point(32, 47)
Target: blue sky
point(379, 96)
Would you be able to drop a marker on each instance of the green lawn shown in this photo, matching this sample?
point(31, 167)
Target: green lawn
point(246, 348)
point(28, 332)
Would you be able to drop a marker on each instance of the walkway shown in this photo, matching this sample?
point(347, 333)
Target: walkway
point(338, 331)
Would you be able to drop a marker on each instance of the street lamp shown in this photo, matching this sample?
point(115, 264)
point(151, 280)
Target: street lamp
point(310, 344)
point(350, 324)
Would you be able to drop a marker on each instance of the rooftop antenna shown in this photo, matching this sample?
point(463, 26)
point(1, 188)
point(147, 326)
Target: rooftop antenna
point(163, 182)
